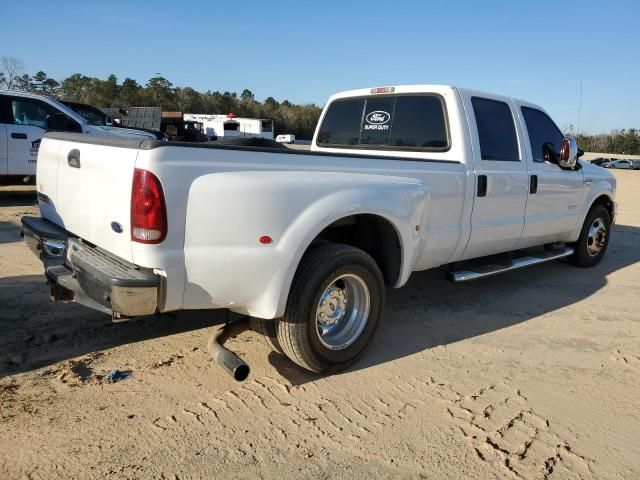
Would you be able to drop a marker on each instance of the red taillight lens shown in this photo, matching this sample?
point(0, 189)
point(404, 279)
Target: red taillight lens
point(148, 210)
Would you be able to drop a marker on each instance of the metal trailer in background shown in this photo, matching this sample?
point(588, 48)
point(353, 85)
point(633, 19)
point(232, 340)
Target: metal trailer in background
point(172, 124)
point(137, 117)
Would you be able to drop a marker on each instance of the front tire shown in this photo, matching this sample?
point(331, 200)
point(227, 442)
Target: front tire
point(334, 308)
point(594, 238)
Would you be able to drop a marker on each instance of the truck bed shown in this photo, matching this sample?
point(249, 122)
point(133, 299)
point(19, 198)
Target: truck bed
point(221, 198)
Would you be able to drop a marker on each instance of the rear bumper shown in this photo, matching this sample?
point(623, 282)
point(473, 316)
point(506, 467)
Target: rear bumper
point(89, 275)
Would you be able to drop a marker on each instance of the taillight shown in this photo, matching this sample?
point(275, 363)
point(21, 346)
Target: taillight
point(148, 210)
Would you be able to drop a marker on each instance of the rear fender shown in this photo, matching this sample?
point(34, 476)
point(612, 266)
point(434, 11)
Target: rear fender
point(228, 213)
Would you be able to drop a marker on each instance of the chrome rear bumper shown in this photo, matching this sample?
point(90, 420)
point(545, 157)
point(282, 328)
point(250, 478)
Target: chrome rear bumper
point(88, 275)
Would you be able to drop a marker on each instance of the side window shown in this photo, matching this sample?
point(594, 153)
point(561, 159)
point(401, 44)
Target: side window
point(496, 130)
point(27, 111)
point(541, 130)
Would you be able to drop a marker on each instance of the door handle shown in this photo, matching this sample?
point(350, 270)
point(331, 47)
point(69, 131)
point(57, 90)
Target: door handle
point(482, 185)
point(21, 136)
point(73, 159)
point(533, 184)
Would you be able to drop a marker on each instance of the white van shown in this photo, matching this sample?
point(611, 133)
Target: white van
point(24, 117)
point(287, 138)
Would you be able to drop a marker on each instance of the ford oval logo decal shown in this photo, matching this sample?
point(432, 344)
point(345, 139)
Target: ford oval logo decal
point(116, 227)
point(379, 117)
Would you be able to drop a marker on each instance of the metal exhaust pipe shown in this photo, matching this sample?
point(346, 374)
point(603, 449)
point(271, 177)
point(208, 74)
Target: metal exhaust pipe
point(228, 360)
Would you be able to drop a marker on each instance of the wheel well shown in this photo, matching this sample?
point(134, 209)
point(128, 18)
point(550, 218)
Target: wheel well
point(373, 234)
point(606, 202)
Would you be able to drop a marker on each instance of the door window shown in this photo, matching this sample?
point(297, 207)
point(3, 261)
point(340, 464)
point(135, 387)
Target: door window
point(496, 130)
point(27, 111)
point(541, 130)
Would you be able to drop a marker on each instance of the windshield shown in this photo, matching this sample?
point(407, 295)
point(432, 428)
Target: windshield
point(91, 114)
point(193, 126)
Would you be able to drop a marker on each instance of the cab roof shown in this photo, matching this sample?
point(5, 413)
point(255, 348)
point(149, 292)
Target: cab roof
point(419, 88)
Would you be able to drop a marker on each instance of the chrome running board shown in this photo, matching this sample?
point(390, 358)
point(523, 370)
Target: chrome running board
point(495, 267)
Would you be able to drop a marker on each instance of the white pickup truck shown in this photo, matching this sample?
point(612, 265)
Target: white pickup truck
point(398, 179)
point(24, 117)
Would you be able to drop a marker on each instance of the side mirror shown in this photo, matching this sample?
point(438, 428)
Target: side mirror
point(549, 153)
point(568, 152)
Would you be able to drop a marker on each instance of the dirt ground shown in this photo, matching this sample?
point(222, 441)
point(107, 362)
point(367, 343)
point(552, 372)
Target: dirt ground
point(532, 374)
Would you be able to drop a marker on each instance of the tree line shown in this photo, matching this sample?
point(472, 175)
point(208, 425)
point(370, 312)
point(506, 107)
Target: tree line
point(159, 92)
point(625, 141)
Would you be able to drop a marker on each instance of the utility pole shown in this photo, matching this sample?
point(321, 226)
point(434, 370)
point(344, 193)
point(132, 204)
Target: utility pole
point(579, 112)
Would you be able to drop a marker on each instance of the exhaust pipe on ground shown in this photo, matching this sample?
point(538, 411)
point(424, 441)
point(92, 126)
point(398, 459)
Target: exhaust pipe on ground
point(228, 360)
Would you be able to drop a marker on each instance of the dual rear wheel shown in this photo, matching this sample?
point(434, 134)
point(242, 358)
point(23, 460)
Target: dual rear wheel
point(334, 308)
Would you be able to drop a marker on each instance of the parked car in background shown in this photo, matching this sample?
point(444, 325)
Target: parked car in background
point(598, 161)
point(24, 117)
point(636, 165)
point(95, 116)
point(625, 164)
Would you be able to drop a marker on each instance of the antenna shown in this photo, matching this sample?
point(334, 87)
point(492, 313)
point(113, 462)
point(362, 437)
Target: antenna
point(579, 112)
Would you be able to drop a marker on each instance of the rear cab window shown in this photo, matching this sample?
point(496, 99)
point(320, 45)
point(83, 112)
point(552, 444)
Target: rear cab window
point(416, 122)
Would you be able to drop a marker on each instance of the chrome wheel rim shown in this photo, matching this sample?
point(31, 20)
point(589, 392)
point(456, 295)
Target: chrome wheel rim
point(342, 312)
point(597, 237)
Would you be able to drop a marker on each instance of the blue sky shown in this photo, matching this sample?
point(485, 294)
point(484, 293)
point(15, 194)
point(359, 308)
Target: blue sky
point(539, 51)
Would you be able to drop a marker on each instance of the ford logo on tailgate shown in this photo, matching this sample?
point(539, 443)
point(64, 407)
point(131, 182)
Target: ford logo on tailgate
point(379, 117)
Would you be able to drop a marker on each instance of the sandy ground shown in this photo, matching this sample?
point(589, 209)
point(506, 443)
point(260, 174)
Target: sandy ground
point(533, 374)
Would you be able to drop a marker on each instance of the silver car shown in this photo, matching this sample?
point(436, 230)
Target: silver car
point(626, 164)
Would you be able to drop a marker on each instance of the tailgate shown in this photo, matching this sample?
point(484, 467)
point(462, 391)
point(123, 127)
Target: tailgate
point(86, 188)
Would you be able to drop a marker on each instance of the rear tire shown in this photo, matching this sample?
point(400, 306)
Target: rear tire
point(267, 331)
point(334, 308)
point(594, 238)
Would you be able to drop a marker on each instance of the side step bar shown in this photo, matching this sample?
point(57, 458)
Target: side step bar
point(480, 270)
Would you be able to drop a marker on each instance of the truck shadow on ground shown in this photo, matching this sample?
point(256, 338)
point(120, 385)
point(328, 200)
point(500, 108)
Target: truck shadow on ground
point(35, 333)
point(18, 198)
point(429, 311)
point(8, 232)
